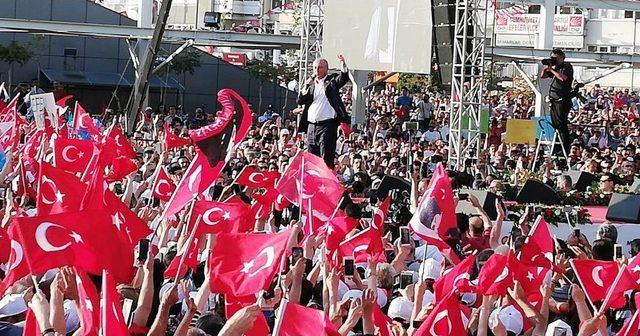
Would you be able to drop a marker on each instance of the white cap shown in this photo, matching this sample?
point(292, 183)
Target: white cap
point(558, 324)
point(428, 298)
point(432, 252)
point(400, 307)
point(510, 318)
point(12, 304)
point(357, 294)
point(431, 269)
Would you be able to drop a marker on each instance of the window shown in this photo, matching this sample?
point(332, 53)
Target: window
point(603, 49)
point(628, 14)
point(613, 49)
point(592, 48)
point(565, 10)
point(534, 9)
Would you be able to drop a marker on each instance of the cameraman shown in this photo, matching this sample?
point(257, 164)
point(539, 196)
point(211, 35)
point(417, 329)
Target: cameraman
point(559, 92)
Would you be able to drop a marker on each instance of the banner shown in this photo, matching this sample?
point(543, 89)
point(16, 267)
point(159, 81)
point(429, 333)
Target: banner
point(41, 103)
point(563, 24)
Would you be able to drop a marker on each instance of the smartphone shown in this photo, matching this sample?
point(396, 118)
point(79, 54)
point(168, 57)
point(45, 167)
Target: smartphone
point(463, 197)
point(559, 331)
point(405, 236)
point(127, 310)
point(296, 253)
point(143, 249)
point(406, 279)
point(576, 233)
point(390, 255)
point(618, 250)
point(349, 266)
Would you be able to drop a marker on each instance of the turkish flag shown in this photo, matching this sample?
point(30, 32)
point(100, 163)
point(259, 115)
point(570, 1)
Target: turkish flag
point(595, 276)
point(62, 102)
point(281, 203)
point(456, 279)
point(121, 167)
point(254, 178)
point(173, 141)
point(5, 246)
point(531, 278)
point(435, 217)
point(219, 140)
point(296, 320)
point(382, 321)
point(380, 215)
point(83, 121)
point(320, 187)
point(365, 244)
point(233, 304)
point(41, 243)
point(72, 155)
point(232, 216)
point(538, 247)
point(31, 327)
point(24, 184)
point(444, 319)
point(631, 328)
point(615, 295)
point(263, 202)
point(190, 260)
point(337, 229)
point(129, 226)
point(634, 271)
point(163, 186)
point(32, 145)
point(195, 181)
point(123, 147)
point(89, 303)
point(495, 276)
point(58, 191)
point(250, 265)
point(111, 320)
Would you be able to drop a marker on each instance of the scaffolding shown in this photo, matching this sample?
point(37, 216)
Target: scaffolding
point(312, 22)
point(467, 81)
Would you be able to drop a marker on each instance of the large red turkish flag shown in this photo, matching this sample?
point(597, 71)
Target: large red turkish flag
point(444, 319)
point(456, 279)
point(58, 191)
point(595, 276)
point(309, 179)
point(538, 247)
point(72, 155)
point(123, 146)
point(337, 229)
point(163, 186)
point(111, 320)
point(296, 320)
point(244, 264)
point(495, 276)
point(254, 178)
point(190, 260)
point(362, 246)
point(89, 303)
point(232, 216)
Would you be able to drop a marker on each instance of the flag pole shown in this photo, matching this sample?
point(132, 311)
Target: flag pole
point(581, 285)
point(335, 211)
point(278, 323)
point(610, 291)
point(186, 248)
point(301, 186)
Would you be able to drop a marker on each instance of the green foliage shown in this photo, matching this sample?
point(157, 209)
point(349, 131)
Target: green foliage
point(265, 70)
point(16, 52)
point(417, 82)
point(186, 61)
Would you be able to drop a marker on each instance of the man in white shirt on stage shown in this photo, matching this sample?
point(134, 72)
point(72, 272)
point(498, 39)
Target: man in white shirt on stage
point(323, 110)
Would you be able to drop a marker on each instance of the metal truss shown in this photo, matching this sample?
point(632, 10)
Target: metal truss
point(467, 82)
point(312, 19)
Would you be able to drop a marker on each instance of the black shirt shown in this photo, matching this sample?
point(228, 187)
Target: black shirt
point(561, 89)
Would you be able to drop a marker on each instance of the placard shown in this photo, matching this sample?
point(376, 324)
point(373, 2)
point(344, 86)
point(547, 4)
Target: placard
point(521, 131)
point(41, 103)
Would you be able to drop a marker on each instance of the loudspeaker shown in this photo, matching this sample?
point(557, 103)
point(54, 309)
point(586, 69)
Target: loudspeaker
point(624, 208)
point(580, 180)
point(534, 191)
point(212, 19)
point(486, 198)
point(444, 15)
point(389, 183)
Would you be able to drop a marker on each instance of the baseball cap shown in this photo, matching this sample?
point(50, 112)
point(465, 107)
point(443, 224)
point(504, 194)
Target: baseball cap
point(431, 269)
point(401, 308)
point(510, 318)
point(558, 324)
point(12, 304)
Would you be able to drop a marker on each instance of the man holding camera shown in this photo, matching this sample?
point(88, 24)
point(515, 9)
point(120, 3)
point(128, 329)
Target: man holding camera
point(561, 74)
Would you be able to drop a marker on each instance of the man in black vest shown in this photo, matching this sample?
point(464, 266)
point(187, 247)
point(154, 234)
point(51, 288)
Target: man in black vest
point(561, 74)
point(323, 109)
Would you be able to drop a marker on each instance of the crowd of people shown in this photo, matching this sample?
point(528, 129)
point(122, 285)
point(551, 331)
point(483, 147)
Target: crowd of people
point(408, 290)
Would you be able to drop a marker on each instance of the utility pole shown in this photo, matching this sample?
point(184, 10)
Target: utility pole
point(144, 71)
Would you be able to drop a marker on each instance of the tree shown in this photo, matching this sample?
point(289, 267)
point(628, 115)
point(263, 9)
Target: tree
point(417, 82)
point(186, 61)
point(266, 71)
point(14, 53)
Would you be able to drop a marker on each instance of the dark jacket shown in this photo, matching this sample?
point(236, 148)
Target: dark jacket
point(333, 84)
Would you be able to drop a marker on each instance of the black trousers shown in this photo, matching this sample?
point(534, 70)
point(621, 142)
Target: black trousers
point(321, 138)
point(560, 119)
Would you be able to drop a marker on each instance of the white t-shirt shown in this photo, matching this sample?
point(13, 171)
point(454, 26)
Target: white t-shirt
point(320, 109)
point(431, 136)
